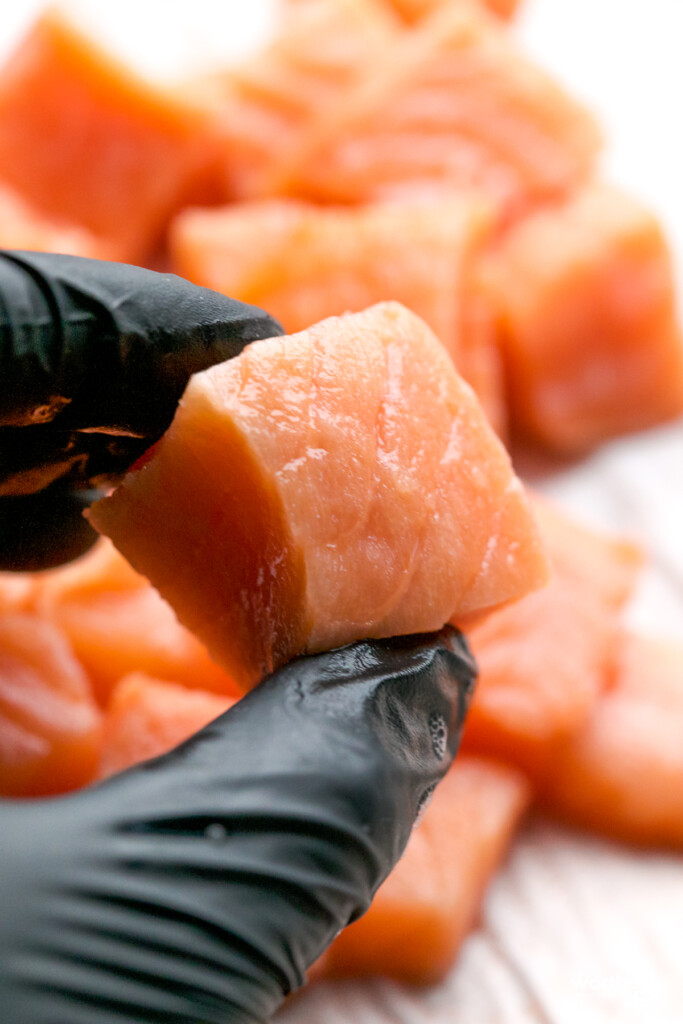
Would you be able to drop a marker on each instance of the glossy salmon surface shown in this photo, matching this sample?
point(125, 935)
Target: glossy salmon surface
point(50, 725)
point(383, 504)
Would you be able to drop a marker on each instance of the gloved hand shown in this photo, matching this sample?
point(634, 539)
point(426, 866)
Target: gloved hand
point(199, 887)
point(93, 359)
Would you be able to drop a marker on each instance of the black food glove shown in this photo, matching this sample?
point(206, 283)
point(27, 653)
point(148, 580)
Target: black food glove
point(199, 887)
point(94, 357)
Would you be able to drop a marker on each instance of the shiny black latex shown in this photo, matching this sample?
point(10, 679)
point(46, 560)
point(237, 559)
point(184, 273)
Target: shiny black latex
point(199, 887)
point(94, 357)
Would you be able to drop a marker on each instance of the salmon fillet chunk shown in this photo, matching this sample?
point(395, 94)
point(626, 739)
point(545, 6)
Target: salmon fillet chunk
point(304, 262)
point(585, 302)
point(453, 105)
point(432, 899)
point(622, 774)
point(332, 485)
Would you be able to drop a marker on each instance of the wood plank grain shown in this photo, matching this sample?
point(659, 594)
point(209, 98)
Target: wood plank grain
point(575, 931)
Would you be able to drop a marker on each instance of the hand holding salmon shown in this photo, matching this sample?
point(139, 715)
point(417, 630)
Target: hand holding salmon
point(94, 357)
point(202, 885)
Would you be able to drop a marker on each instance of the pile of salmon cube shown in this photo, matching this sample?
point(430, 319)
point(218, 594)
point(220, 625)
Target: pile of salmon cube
point(372, 151)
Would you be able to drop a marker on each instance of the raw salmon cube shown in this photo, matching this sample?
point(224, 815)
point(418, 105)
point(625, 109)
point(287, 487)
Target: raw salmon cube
point(50, 726)
point(542, 666)
point(503, 8)
point(428, 904)
point(101, 570)
point(587, 321)
point(88, 143)
point(609, 565)
point(452, 105)
point(17, 591)
point(544, 661)
point(413, 10)
point(147, 717)
point(118, 633)
point(622, 774)
point(117, 623)
point(324, 487)
point(303, 263)
point(23, 227)
point(264, 109)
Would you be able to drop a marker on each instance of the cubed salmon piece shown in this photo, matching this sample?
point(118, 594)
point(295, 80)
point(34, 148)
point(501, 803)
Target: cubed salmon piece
point(622, 773)
point(264, 109)
point(414, 10)
point(452, 105)
point(544, 661)
point(587, 321)
point(303, 263)
point(86, 142)
point(50, 725)
point(608, 564)
point(542, 666)
point(431, 900)
point(24, 227)
point(17, 591)
point(146, 717)
point(117, 624)
point(324, 487)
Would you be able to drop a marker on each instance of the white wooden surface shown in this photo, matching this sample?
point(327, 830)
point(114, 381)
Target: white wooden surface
point(574, 930)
